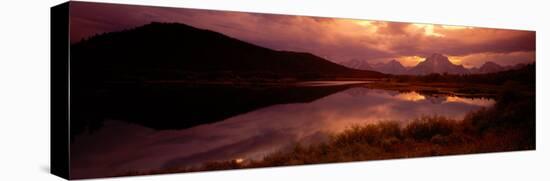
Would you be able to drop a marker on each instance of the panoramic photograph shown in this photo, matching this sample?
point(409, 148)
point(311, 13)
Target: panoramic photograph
point(158, 90)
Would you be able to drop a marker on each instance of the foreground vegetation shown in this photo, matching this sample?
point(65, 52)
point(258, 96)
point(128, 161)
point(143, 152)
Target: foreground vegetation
point(507, 126)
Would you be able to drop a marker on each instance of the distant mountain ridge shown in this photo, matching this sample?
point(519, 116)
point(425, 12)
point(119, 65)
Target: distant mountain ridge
point(392, 66)
point(358, 64)
point(436, 63)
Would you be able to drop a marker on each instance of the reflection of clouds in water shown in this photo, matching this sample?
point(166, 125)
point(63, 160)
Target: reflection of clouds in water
point(120, 147)
point(473, 101)
point(411, 96)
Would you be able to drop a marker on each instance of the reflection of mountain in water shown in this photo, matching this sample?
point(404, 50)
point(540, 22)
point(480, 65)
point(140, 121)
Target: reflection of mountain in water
point(178, 107)
point(360, 91)
point(437, 99)
point(251, 135)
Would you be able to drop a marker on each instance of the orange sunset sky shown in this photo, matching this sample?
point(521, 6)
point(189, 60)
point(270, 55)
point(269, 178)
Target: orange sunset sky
point(337, 40)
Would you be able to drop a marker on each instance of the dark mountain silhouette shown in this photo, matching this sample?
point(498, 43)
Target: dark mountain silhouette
point(173, 106)
point(488, 67)
point(391, 67)
point(515, 67)
point(437, 63)
point(358, 64)
point(172, 51)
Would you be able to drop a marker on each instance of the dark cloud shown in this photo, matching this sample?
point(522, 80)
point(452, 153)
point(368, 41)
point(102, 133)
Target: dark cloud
point(394, 29)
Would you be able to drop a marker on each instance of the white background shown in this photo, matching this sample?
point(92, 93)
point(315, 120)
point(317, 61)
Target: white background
point(24, 89)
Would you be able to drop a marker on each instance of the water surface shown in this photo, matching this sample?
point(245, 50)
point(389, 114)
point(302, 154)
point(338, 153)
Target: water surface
point(120, 146)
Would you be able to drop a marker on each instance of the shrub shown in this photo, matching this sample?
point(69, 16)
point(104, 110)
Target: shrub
point(425, 128)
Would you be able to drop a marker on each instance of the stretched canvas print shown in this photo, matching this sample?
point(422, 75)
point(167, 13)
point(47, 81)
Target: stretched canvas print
point(140, 90)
